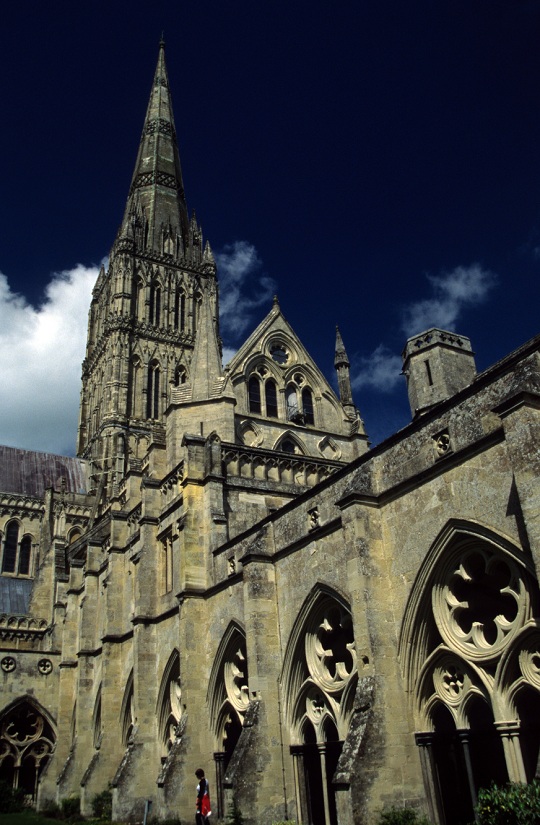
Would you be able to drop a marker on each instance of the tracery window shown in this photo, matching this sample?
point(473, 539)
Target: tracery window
point(169, 703)
point(475, 667)
point(26, 742)
point(228, 696)
point(152, 390)
point(320, 676)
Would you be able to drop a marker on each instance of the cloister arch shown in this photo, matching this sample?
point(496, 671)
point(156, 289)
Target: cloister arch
point(27, 739)
point(470, 652)
point(319, 678)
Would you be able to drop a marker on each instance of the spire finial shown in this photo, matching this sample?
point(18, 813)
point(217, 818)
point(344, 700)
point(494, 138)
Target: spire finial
point(162, 40)
point(275, 302)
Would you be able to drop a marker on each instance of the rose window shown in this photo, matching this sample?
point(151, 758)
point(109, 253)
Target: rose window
point(482, 604)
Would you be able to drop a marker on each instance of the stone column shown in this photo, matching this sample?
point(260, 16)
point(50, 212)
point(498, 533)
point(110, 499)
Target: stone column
point(297, 753)
point(429, 772)
point(509, 733)
point(464, 736)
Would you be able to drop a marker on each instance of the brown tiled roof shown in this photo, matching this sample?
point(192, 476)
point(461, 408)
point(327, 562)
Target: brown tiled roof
point(31, 473)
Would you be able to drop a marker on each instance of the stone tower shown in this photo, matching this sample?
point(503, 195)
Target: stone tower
point(437, 364)
point(146, 307)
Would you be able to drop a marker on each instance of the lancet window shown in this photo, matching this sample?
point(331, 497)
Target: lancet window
point(254, 394)
point(155, 303)
point(180, 310)
point(17, 552)
point(152, 390)
point(270, 392)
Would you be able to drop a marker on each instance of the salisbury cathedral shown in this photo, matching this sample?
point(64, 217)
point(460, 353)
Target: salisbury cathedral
point(227, 576)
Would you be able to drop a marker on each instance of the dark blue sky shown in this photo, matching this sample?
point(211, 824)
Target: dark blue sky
point(357, 146)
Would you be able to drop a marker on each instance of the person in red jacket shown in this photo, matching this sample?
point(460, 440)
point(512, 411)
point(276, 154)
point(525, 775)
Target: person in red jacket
point(203, 799)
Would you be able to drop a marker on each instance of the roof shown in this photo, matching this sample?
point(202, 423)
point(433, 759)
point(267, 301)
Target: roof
point(31, 473)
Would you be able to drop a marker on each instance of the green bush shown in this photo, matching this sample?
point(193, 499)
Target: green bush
point(402, 816)
point(11, 799)
point(102, 805)
point(71, 808)
point(512, 804)
point(51, 809)
point(285, 822)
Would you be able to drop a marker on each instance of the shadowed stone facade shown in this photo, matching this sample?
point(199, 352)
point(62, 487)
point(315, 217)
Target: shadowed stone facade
point(228, 576)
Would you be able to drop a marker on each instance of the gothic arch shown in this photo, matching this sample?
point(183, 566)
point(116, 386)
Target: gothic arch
point(127, 711)
point(453, 540)
point(169, 705)
point(96, 721)
point(27, 739)
point(470, 651)
point(228, 691)
point(319, 678)
point(290, 438)
point(309, 667)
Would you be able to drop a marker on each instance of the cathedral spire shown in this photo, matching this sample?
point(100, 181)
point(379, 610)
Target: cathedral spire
point(156, 214)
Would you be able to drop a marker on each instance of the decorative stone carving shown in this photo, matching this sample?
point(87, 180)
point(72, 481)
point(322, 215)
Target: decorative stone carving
point(481, 604)
point(450, 682)
point(45, 666)
point(330, 649)
point(236, 680)
point(8, 664)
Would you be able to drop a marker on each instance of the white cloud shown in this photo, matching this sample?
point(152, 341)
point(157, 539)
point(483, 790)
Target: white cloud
point(452, 292)
point(379, 371)
point(228, 353)
point(243, 287)
point(41, 351)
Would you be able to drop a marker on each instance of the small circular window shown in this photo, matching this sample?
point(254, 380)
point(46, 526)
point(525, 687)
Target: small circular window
point(279, 354)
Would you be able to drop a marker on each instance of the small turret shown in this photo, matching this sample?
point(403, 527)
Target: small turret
point(342, 365)
point(437, 365)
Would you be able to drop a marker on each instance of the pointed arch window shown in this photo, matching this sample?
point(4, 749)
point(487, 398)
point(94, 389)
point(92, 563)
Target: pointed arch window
point(10, 547)
point(27, 740)
point(25, 552)
point(134, 408)
point(155, 303)
point(180, 310)
point(197, 303)
point(152, 391)
point(180, 375)
point(293, 411)
point(270, 391)
point(307, 406)
point(254, 394)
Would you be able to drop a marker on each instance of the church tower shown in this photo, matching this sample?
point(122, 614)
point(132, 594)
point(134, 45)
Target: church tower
point(146, 307)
